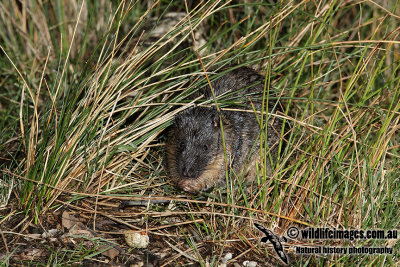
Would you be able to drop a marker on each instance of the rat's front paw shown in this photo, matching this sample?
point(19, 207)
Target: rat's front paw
point(190, 185)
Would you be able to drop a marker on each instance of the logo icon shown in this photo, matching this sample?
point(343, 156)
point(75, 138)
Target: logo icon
point(275, 241)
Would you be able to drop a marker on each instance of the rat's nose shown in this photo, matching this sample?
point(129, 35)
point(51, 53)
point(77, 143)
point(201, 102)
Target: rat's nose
point(187, 172)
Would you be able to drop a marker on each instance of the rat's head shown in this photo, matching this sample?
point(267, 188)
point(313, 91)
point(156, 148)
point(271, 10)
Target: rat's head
point(195, 142)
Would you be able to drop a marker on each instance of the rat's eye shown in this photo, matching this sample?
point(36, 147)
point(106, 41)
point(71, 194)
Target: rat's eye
point(182, 145)
point(205, 148)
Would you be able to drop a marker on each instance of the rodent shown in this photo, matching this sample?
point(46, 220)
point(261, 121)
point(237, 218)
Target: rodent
point(194, 148)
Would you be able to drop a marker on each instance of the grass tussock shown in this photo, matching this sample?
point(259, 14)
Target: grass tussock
point(86, 98)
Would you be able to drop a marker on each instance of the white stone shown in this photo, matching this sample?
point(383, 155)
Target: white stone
point(137, 240)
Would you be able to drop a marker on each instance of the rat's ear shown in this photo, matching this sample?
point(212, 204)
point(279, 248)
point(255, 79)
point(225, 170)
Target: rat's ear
point(225, 120)
point(215, 119)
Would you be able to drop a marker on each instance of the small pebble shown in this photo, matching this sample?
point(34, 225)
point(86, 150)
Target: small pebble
point(136, 240)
